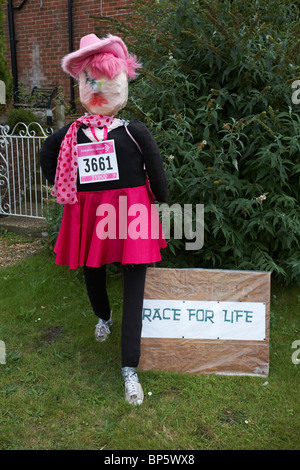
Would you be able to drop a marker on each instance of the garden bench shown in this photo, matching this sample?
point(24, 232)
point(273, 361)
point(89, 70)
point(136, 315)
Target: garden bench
point(42, 96)
point(39, 97)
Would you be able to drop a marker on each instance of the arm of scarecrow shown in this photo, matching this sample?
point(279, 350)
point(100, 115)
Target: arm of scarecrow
point(49, 153)
point(152, 159)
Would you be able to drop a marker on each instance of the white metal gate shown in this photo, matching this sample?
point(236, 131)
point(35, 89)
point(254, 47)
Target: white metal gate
point(23, 189)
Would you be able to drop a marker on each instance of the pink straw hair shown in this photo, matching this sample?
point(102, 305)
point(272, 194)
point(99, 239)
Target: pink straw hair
point(106, 64)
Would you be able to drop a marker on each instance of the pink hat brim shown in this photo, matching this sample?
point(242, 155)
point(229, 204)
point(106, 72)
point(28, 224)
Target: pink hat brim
point(111, 44)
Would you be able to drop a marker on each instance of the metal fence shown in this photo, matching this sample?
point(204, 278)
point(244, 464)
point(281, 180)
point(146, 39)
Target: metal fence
point(23, 189)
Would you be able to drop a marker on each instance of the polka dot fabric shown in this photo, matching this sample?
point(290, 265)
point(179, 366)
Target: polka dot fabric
point(65, 189)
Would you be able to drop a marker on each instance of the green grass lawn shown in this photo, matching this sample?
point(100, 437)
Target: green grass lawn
point(60, 389)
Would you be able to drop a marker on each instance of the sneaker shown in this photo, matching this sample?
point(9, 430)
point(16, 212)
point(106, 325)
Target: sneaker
point(102, 330)
point(133, 390)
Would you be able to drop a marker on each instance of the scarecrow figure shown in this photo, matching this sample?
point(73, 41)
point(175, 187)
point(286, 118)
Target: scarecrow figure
point(102, 168)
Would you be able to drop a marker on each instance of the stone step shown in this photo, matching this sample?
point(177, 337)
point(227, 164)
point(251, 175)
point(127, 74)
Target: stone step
point(22, 225)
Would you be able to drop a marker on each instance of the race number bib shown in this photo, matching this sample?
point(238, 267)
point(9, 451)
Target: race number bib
point(97, 162)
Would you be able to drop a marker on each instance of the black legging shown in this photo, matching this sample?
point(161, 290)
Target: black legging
point(133, 277)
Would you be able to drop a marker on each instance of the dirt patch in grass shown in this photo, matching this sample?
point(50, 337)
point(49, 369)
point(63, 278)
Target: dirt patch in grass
point(51, 334)
point(232, 417)
point(14, 248)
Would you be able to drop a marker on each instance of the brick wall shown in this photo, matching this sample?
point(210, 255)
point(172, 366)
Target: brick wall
point(42, 34)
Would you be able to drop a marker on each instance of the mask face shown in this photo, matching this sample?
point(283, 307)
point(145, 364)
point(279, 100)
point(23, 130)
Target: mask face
point(103, 95)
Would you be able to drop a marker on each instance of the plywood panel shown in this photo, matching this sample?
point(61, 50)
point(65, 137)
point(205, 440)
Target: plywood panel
point(207, 356)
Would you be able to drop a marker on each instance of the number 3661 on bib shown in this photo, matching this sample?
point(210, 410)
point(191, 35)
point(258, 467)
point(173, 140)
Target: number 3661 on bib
point(97, 162)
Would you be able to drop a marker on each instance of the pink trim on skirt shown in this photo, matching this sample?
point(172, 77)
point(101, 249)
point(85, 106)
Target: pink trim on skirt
point(117, 225)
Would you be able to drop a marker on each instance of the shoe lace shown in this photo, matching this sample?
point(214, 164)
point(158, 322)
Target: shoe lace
point(101, 329)
point(131, 388)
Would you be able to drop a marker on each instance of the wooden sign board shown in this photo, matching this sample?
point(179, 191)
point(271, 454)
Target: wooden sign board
point(206, 321)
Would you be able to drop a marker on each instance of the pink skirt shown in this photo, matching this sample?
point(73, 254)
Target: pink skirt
point(117, 225)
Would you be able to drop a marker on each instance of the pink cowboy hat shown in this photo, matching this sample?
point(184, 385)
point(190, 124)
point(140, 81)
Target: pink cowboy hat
point(90, 45)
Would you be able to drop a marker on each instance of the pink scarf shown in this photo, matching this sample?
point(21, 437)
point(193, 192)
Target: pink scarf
point(65, 185)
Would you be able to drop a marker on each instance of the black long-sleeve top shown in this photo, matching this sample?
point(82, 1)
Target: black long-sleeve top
point(130, 161)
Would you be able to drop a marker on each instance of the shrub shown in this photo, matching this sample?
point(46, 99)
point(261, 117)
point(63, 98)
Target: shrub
point(18, 115)
point(215, 90)
point(53, 213)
